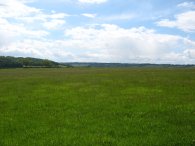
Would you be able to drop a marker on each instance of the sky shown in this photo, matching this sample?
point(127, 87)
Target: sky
point(120, 31)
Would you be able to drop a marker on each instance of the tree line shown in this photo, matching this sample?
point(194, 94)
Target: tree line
point(19, 62)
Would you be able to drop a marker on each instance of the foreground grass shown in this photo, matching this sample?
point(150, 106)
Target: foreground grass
point(88, 106)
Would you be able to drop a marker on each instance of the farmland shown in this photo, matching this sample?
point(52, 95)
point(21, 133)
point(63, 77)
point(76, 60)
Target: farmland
point(97, 106)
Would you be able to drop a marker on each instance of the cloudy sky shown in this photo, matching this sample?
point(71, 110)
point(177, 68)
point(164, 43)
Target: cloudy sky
point(128, 31)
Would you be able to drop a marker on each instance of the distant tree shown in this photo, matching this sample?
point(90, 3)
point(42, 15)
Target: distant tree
point(26, 62)
point(47, 63)
point(14, 62)
point(9, 62)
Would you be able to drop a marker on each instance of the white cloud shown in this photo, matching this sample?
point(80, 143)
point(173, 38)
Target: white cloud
point(24, 30)
point(54, 24)
point(15, 9)
point(89, 15)
point(122, 16)
point(42, 17)
point(9, 30)
point(93, 1)
point(108, 43)
point(36, 48)
point(186, 5)
point(184, 21)
point(18, 11)
point(167, 23)
point(19, 21)
point(115, 44)
point(110, 18)
point(58, 15)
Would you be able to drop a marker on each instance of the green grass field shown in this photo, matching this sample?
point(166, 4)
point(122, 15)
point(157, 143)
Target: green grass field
point(97, 107)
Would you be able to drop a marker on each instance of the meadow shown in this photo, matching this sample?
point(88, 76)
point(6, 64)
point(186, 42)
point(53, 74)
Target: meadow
point(97, 107)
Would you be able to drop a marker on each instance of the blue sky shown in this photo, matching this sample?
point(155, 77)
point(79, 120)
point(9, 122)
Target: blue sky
point(128, 31)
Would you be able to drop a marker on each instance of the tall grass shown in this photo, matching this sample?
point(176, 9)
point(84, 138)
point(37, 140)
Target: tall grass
point(97, 106)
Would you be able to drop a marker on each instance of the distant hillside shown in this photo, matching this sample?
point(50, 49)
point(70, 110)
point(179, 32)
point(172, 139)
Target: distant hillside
point(28, 62)
point(91, 64)
point(19, 62)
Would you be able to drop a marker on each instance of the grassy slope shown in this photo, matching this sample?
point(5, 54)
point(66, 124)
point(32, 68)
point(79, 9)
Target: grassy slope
point(91, 106)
